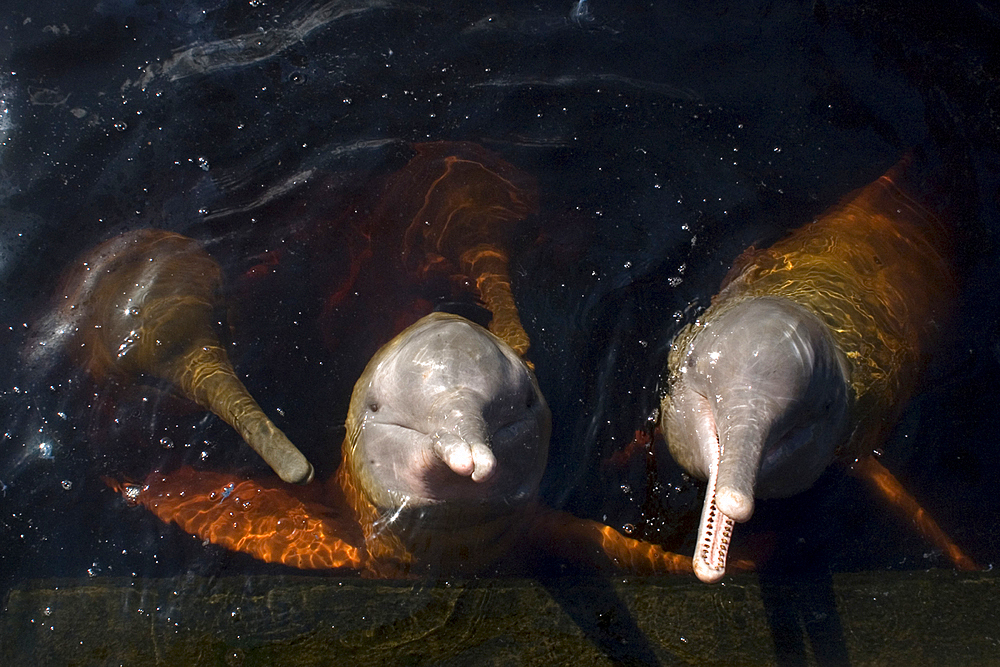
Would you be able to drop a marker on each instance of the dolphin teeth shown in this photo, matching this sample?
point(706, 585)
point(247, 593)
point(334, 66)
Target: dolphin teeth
point(714, 530)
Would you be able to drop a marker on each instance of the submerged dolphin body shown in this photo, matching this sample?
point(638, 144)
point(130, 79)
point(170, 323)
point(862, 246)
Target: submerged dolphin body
point(447, 439)
point(808, 353)
point(144, 303)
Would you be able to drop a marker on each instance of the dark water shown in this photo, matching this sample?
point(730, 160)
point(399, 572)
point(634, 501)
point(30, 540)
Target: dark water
point(665, 138)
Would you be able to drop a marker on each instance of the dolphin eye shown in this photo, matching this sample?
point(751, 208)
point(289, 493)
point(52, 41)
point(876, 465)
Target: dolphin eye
point(373, 407)
point(530, 402)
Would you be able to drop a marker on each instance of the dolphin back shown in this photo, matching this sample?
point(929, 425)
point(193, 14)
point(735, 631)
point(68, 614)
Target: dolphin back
point(874, 269)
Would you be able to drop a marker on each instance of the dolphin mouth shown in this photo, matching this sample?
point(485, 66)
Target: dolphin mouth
point(715, 527)
point(433, 474)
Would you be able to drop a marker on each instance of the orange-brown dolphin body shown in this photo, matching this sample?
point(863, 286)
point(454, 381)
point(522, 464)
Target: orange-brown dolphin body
point(452, 211)
point(808, 353)
point(447, 437)
point(447, 431)
point(144, 303)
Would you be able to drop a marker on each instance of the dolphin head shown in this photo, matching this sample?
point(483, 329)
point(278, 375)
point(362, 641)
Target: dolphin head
point(763, 388)
point(447, 413)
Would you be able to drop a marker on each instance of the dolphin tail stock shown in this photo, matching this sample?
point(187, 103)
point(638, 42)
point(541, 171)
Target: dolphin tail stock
point(890, 488)
point(267, 521)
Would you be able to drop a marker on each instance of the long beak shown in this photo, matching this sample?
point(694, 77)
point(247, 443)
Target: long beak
point(743, 431)
point(732, 475)
point(714, 532)
point(206, 376)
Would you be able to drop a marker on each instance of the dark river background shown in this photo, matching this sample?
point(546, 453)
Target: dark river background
point(665, 138)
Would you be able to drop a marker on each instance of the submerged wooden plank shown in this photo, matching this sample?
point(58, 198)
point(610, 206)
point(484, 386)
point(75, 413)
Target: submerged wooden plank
point(877, 618)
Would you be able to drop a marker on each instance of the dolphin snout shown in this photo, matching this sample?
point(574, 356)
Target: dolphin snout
point(468, 459)
point(461, 441)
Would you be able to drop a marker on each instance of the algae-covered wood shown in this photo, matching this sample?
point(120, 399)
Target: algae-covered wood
point(870, 618)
